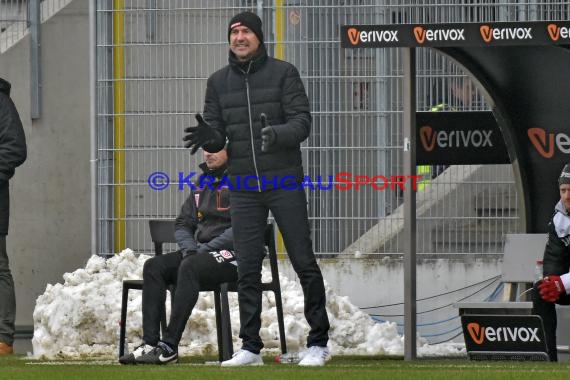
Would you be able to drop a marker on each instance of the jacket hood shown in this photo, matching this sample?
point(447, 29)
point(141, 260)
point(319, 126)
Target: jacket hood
point(561, 221)
point(560, 208)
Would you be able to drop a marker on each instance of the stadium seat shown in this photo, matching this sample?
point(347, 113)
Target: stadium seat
point(162, 231)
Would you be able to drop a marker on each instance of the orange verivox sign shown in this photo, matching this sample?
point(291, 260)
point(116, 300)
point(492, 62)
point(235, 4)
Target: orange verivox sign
point(476, 332)
point(456, 34)
point(537, 137)
point(485, 31)
point(420, 34)
point(353, 36)
point(479, 333)
point(545, 144)
point(427, 138)
point(553, 32)
point(358, 37)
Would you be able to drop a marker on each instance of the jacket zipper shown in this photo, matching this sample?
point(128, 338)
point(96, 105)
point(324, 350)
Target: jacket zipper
point(251, 128)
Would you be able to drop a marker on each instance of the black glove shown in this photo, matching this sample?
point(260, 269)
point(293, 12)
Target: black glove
point(268, 135)
point(199, 135)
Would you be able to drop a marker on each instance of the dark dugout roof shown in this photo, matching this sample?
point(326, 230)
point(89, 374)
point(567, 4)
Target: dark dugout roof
point(524, 70)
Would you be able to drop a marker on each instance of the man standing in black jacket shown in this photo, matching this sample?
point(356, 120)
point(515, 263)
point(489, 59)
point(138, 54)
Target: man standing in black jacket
point(205, 259)
point(259, 104)
point(12, 155)
point(555, 285)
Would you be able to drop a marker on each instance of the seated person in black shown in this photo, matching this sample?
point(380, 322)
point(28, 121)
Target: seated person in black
point(205, 258)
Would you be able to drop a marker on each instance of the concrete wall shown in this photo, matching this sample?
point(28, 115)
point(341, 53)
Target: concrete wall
point(49, 227)
point(379, 280)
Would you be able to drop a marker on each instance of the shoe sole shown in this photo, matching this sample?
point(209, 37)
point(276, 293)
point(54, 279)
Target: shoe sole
point(158, 362)
point(130, 359)
point(128, 362)
point(241, 365)
point(312, 365)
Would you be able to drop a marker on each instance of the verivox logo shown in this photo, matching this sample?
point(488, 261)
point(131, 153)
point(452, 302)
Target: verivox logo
point(555, 32)
point(421, 34)
point(480, 333)
point(489, 34)
point(545, 143)
point(353, 36)
point(356, 37)
point(427, 138)
point(454, 139)
point(476, 332)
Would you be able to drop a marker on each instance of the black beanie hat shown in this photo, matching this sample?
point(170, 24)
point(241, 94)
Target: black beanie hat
point(565, 175)
point(249, 19)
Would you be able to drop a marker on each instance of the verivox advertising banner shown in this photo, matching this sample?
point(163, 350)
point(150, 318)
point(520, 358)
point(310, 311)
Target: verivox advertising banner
point(460, 34)
point(506, 333)
point(459, 138)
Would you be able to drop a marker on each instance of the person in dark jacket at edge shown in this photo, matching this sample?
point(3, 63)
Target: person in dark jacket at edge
point(555, 284)
point(12, 154)
point(259, 104)
point(205, 259)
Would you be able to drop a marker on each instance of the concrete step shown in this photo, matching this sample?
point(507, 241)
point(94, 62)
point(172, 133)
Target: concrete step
point(23, 346)
point(501, 204)
point(484, 236)
point(23, 340)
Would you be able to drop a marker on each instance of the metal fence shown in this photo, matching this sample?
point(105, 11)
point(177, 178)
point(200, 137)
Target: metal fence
point(13, 21)
point(15, 18)
point(153, 59)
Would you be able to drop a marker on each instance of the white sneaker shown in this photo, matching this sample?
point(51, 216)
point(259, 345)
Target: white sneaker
point(243, 357)
point(315, 356)
point(132, 357)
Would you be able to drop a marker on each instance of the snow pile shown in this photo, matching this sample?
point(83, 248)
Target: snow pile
point(80, 318)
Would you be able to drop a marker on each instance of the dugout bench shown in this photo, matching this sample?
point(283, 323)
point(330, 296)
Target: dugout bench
point(514, 312)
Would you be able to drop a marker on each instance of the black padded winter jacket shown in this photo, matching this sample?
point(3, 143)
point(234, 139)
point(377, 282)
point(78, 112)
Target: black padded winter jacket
point(12, 150)
point(204, 223)
point(12, 138)
point(236, 96)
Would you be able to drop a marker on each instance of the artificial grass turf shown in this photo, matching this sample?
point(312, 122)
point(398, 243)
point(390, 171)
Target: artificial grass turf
point(339, 368)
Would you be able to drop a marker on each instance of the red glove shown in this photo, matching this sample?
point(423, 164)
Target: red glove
point(551, 288)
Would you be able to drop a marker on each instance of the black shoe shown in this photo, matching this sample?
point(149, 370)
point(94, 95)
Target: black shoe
point(161, 354)
point(131, 358)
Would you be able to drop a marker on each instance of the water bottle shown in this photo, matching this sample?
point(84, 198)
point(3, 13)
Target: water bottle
point(288, 358)
point(538, 271)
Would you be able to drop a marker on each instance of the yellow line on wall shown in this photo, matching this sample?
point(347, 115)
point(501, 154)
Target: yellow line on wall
point(119, 123)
